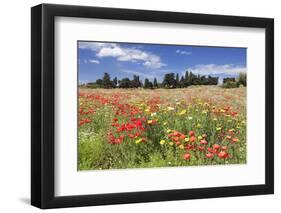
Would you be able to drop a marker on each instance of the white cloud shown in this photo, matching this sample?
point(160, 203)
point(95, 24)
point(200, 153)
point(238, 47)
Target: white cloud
point(93, 61)
point(183, 52)
point(214, 69)
point(148, 59)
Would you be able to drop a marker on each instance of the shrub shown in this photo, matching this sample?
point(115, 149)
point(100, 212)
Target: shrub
point(230, 84)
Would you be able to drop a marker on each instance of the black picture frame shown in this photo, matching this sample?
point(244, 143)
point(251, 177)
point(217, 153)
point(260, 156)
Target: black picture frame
point(43, 102)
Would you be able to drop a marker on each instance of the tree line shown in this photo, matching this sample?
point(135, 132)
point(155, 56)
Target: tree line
point(235, 82)
point(170, 81)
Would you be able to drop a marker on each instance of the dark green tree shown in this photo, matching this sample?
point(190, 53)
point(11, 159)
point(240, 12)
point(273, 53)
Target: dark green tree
point(125, 83)
point(107, 83)
point(225, 80)
point(155, 83)
point(190, 78)
point(115, 82)
point(182, 82)
point(147, 84)
point(213, 80)
point(242, 79)
point(169, 80)
point(99, 82)
point(177, 80)
point(186, 79)
point(136, 81)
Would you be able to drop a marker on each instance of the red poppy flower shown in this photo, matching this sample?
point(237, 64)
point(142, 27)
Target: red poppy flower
point(223, 147)
point(175, 139)
point(186, 156)
point(231, 131)
point(117, 141)
point(192, 139)
point(189, 147)
point(176, 133)
point(234, 114)
point(234, 140)
point(209, 155)
point(201, 148)
point(216, 146)
point(131, 135)
point(222, 154)
point(87, 120)
point(178, 143)
point(182, 137)
point(171, 134)
point(203, 142)
point(191, 133)
point(138, 123)
point(210, 150)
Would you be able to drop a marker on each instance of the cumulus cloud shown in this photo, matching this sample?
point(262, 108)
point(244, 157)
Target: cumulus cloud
point(94, 61)
point(121, 53)
point(182, 52)
point(214, 69)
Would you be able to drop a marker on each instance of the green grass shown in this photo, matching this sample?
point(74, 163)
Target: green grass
point(217, 113)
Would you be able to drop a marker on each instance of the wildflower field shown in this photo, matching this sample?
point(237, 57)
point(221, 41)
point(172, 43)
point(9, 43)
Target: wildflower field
point(143, 128)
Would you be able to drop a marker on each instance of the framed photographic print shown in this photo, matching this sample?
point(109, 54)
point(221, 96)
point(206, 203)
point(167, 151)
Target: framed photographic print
point(140, 106)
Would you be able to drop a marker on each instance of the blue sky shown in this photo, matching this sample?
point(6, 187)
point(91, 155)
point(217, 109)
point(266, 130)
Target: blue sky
point(155, 60)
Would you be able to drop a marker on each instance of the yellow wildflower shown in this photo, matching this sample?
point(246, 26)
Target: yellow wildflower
point(181, 146)
point(182, 112)
point(162, 142)
point(204, 112)
point(186, 139)
point(170, 108)
point(138, 141)
point(149, 121)
point(153, 114)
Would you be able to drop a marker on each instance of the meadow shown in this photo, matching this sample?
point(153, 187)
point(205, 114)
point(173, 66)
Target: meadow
point(144, 128)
